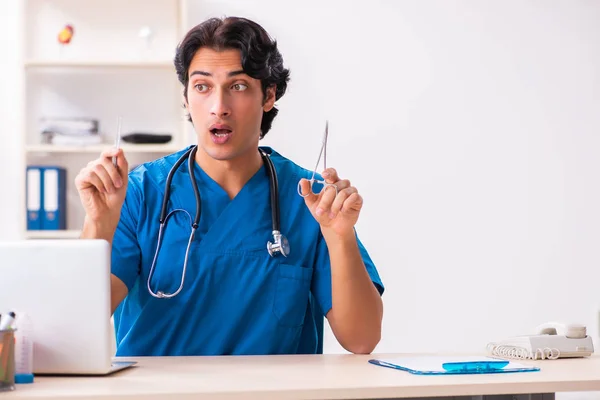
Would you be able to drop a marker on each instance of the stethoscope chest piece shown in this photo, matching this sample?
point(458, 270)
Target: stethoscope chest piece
point(279, 244)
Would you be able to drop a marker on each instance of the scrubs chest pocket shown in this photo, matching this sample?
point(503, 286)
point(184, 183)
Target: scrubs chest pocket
point(291, 294)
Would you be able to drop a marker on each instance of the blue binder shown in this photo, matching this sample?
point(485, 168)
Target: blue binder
point(453, 365)
point(34, 199)
point(54, 216)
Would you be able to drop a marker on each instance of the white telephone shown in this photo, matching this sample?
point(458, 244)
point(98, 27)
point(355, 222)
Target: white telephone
point(553, 340)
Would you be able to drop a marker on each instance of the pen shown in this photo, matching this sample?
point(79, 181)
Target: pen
point(117, 141)
point(476, 366)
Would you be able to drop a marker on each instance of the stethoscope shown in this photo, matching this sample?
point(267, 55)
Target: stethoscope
point(279, 244)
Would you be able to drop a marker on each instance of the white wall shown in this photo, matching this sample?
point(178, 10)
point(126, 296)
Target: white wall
point(12, 199)
point(471, 129)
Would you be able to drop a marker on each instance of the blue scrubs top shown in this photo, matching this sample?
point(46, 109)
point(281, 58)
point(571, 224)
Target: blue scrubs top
point(236, 298)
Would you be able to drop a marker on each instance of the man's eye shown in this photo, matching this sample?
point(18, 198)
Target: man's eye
point(201, 88)
point(239, 87)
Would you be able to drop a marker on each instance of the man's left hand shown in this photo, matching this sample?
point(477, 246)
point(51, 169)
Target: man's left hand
point(336, 212)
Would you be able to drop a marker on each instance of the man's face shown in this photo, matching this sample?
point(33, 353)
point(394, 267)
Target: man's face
point(225, 104)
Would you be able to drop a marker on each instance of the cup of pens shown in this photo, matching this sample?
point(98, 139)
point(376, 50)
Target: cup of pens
point(7, 360)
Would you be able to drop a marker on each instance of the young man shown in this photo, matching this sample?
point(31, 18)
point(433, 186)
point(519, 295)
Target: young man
point(212, 287)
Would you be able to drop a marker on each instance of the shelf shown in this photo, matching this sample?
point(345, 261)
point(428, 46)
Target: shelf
point(98, 64)
point(109, 60)
point(62, 234)
point(127, 148)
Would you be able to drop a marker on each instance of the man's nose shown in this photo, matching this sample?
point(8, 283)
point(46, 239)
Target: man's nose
point(220, 107)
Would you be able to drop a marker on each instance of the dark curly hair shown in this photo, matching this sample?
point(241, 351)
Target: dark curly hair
point(260, 57)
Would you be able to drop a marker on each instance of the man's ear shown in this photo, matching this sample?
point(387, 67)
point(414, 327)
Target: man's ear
point(185, 101)
point(269, 102)
point(186, 107)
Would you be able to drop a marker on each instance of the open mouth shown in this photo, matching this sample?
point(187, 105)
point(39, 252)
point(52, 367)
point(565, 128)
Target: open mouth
point(220, 132)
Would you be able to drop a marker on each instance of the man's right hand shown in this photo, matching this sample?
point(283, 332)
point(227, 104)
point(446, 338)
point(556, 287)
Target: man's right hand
point(102, 188)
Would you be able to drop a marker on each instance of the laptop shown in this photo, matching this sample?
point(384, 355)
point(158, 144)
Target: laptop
point(63, 285)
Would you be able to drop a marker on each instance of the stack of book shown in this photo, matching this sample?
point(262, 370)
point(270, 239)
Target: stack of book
point(70, 131)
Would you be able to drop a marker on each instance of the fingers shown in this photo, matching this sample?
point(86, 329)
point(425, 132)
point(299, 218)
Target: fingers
point(88, 178)
point(352, 203)
point(122, 164)
point(305, 191)
point(111, 153)
point(105, 173)
point(120, 171)
point(330, 175)
point(102, 174)
point(113, 172)
point(341, 199)
point(330, 201)
point(329, 197)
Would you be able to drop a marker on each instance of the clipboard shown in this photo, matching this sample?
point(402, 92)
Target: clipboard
point(453, 365)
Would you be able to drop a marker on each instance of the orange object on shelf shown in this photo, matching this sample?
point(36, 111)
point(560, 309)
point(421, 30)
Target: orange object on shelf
point(66, 34)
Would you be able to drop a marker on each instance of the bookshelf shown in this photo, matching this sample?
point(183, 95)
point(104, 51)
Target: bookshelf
point(62, 234)
point(97, 149)
point(31, 64)
point(119, 63)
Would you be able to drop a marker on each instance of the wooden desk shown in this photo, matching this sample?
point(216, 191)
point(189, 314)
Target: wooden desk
point(308, 377)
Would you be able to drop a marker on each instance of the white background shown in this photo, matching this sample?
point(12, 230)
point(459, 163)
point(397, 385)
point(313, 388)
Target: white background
point(470, 128)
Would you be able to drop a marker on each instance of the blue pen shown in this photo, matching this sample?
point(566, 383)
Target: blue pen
point(475, 366)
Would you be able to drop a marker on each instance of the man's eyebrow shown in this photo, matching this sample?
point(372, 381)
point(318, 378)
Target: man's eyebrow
point(203, 73)
point(230, 74)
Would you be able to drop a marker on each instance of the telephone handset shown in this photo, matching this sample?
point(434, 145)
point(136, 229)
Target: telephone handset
point(551, 341)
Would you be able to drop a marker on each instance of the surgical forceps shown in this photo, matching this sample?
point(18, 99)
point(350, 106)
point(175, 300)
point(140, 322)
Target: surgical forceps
point(313, 180)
